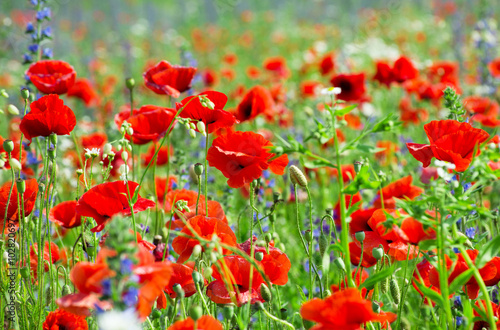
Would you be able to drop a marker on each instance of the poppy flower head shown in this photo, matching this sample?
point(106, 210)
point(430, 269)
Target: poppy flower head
point(61, 319)
point(401, 189)
point(494, 67)
point(168, 79)
point(83, 90)
point(384, 73)
point(106, 200)
point(29, 198)
point(213, 119)
point(149, 123)
point(450, 141)
point(243, 156)
point(64, 214)
point(205, 227)
point(327, 64)
point(352, 86)
point(258, 100)
point(52, 77)
point(48, 115)
point(277, 65)
point(404, 70)
point(88, 276)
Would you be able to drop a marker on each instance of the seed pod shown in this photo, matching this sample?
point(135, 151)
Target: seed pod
point(259, 256)
point(198, 169)
point(21, 185)
point(195, 312)
point(228, 311)
point(360, 236)
point(265, 293)
point(25, 93)
point(66, 290)
point(395, 293)
point(297, 177)
point(130, 83)
point(156, 314)
point(25, 273)
point(378, 253)
point(8, 146)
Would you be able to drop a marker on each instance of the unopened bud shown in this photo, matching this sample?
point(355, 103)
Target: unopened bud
point(192, 133)
point(339, 263)
point(25, 272)
point(378, 253)
point(297, 177)
point(4, 93)
point(178, 291)
point(130, 131)
point(195, 312)
point(375, 307)
point(394, 288)
point(125, 156)
point(323, 244)
point(207, 273)
point(197, 251)
point(52, 153)
point(107, 148)
point(25, 93)
point(8, 146)
point(130, 83)
point(265, 292)
point(197, 278)
point(201, 128)
point(198, 169)
point(12, 109)
point(66, 290)
point(360, 236)
point(53, 138)
point(259, 256)
point(15, 164)
point(228, 311)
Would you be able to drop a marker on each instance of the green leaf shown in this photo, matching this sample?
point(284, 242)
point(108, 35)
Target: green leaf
point(299, 289)
point(377, 277)
point(488, 251)
point(346, 110)
point(460, 280)
point(431, 294)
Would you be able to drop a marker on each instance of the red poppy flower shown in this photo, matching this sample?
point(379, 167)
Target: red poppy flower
point(51, 256)
point(258, 100)
point(64, 214)
point(106, 200)
point(149, 123)
point(384, 73)
point(404, 70)
point(482, 323)
point(168, 79)
point(445, 72)
point(162, 188)
point(182, 275)
point(60, 319)
point(29, 198)
point(277, 65)
point(327, 64)
point(243, 156)
point(485, 110)
point(400, 189)
point(209, 77)
point(205, 227)
point(310, 88)
point(48, 115)
point(153, 277)
point(215, 210)
point(52, 77)
point(275, 263)
point(335, 311)
point(83, 90)
point(206, 322)
point(236, 273)
point(494, 67)
point(213, 119)
point(189, 196)
point(450, 141)
point(352, 86)
point(350, 201)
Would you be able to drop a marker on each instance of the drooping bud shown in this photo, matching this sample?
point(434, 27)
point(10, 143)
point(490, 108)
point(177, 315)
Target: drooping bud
point(192, 133)
point(197, 278)
point(125, 156)
point(395, 293)
point(339, 263)
point(201, 128)
point(197, 251)
point(228, 311)
point(323, 244)
point(297, 177)
point(265, 292)
point(12, 109)
point(178, 290)
point(66, 290)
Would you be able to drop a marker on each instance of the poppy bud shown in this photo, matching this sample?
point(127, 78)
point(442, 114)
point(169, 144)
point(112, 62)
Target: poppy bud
point(339, 263)
point(197, 278)
point(228, 311)
point(195, 312)
point(52, 153)
point(378, 253)
point(307, 235)
point(192, 133)
point(125, 156)
point(4, 93)
point(2, 163)
point(107, 149)
point(1, 112)
point(395, 293)
point(323, 244)
point(156, 314)
point(53, 138)
point(198, 169)
point(66, 290)
point(201, 127)
point(357, 166)
point(297, 177)
point(375, 307)
point(281, 246)
point(384, 284)
point(197, 251)
point(12, 109)
point(25, 93)
point(259, 256)
point(360, 236)
point(207, 273)
point(130, 83)
point(21, 185)
point(130, 131)
point(8, 146)
point(192, 125)
point(178, 290)
point(79, 172)
point(25, 273)
point(268, 238)
point(260, 306)
point(265, 293)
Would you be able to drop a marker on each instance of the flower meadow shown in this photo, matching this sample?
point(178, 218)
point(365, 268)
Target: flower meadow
point(241, 166)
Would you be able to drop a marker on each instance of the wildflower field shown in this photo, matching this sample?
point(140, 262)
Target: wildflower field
point(234, 164)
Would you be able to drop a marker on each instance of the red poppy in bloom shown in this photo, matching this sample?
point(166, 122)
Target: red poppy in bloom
point(206, 322)
point(258, 100)
point(87, 278)
point(153, 277)
point(209, 77)
point(276, 264)
point(494, 67)
point(384, 73)
point(400, 189)
point(236, 273)
point(485, 110)
point(189, 196)
point(450, 141)
point(490, 273)
point(352, 86)
point(29, 198)
point(182, 275)
point(52, 77)
point(327, 63)
point(205, 227)
point(243, 156)
point(336, 311)
point(404, 70)
point(168, 79)
point(212, 118)
point(106, 200)
point(83, 90)
point(62, 320)
point(149, 123)
point(277, 65)
point(64, 214)
point(48, 115)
